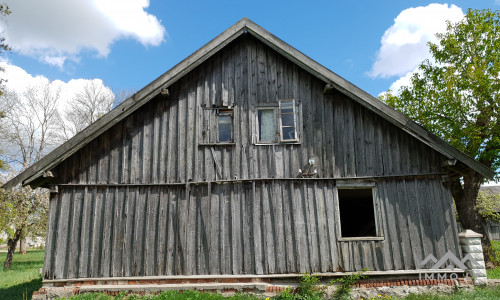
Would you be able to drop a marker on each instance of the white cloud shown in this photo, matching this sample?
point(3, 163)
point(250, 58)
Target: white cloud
point(19, 81)
point(404, 44)
point(56, 31)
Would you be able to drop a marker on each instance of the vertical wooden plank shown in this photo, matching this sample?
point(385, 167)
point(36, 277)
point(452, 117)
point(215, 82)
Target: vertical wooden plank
point(248, 245)
point(331, 202)
point(215, 233)
point(300, 227)
point(97, 219)
point(172, 232)
point(203, 209)
point(191, 228)
point(236, 226)
point(129, 211)
point(162, 236)
point(414, 222)
point(151, 250)
point(278, 224)
point(312, 228)
point(321, 217)
point(63, 228)
point(118, 232)
point(172, 155)
point(107, 235)
point(75, 234)
point(392, 232)
point(50, 240)
point(268, 229)
point(257, 228)
point(139, 233)
point(288, 225)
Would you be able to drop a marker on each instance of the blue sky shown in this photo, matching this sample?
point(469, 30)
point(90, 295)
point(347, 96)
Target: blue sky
point(129, 45)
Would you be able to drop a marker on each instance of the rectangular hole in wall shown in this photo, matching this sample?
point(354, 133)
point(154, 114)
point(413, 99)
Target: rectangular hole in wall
point(357, 214)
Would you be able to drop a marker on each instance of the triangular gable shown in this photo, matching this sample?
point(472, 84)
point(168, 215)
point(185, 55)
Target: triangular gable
point(243, 26)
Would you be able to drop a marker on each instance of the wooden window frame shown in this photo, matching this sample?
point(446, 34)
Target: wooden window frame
point(225, 112)
point(379, 234)
point(209, 120)
point(278, 124)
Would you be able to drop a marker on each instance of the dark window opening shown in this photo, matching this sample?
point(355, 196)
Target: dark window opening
point(357, 214)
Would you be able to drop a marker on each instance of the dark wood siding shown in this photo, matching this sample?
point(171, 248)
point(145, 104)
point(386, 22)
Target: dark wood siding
point(145, 199)
point(267, 227)
point(159, 143)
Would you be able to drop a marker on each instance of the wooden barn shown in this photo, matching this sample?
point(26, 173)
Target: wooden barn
point(247, 160)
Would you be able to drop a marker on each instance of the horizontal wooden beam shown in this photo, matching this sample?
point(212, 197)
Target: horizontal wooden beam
point(250, 276)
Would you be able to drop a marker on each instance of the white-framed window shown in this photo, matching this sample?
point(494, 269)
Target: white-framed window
point(277, 123)
point(358, 216)
point(217, 126)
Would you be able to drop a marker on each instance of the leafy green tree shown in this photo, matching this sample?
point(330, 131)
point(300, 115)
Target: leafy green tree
point(457, 96)
point(23, 213)
point(488, 205)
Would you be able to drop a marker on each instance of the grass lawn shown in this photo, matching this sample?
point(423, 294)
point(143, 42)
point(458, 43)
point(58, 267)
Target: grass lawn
point(485, 293)
point(495, 273)
point(22, 279)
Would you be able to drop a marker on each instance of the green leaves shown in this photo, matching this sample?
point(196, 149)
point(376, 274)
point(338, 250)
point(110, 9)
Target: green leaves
point(457, 95)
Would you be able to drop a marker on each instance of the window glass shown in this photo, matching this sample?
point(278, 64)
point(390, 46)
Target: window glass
point(287, 116)
point(357, 213)
point(224, 126)
point(266, 124)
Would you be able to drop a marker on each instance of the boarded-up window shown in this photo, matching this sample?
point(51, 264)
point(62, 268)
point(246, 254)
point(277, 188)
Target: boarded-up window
point(357, 211)
point(217, 125)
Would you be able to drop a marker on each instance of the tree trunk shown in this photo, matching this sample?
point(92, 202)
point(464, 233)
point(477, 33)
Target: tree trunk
point(22, 246)
point(11, 248)
point(465, 197)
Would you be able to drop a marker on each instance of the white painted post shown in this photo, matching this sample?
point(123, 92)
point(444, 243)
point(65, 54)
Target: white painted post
point(470, 242)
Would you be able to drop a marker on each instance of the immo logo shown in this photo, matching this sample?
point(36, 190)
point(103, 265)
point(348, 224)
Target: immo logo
point(448, 262)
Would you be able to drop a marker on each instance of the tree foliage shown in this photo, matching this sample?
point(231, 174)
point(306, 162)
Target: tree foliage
point(488, 205)
point(26, 132)
point(23, 213)
point(457, 96)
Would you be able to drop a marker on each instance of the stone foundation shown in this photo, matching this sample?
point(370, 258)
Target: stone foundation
point(266, 287)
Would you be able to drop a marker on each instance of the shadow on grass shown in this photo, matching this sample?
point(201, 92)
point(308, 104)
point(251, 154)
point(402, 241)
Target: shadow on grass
point(21, 291)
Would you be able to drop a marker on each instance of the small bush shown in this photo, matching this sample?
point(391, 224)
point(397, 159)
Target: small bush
point(308, 289)
point(345, 284)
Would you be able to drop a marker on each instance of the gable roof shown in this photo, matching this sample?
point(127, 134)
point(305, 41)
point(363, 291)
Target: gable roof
point(37, 170)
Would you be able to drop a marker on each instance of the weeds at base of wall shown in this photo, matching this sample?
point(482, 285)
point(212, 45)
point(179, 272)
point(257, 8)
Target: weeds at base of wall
point(310, 289)
point(346, 282)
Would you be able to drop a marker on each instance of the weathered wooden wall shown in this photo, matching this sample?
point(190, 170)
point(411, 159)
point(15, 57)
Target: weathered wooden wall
point(265, 227)
point(119, 213)
point(159, 143)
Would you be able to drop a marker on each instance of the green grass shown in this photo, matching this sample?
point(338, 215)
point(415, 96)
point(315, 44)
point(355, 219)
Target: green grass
point(22, 279)
point(495, 273)
point(480, 293)
point(186, 295)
